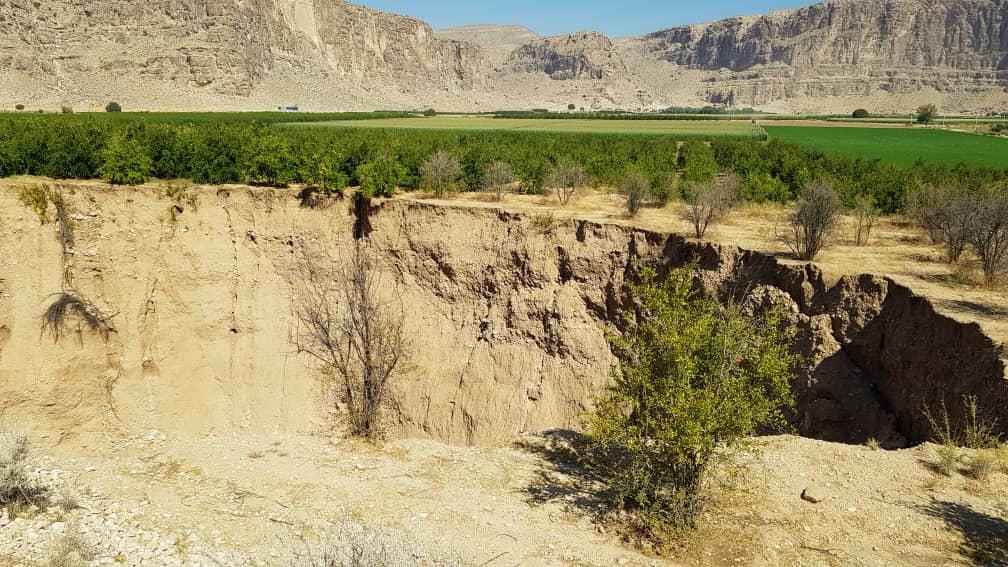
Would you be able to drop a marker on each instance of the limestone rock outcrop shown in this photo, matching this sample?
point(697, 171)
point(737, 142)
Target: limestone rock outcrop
point(583, 55)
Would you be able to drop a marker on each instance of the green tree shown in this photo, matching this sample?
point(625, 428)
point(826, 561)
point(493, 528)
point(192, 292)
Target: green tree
point(860, 113)
point(19, 107)
point(380, 177)
point(113, 107)
point(268, 161)
point(322, 171)
point(571, 106)
point(926, 114)
point(698, 165)
point(125, 161)
point(430, 112)
point(696, 379)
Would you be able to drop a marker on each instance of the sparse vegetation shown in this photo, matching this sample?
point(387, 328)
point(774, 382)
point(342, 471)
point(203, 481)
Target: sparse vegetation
point(353, 545)
point(707, 203)
point(695, 380)
point(36, 198)
point(565, 179)
point(813, 220)
point(18, 489)
point(345, 323)
point(544, 223)
point(72, 550)
point(972, 432)
point(497, 178)
point(865, 215)
point(441, 173)
point(635, 188)
point(943, 211)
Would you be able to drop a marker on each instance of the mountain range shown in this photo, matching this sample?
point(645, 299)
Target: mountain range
point(885, 55)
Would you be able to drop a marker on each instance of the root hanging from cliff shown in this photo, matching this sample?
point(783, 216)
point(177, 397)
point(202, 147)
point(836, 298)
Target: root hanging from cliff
point(56, 318)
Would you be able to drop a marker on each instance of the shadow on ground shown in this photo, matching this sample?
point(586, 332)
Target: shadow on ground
point(565, 475)
point(985, 538)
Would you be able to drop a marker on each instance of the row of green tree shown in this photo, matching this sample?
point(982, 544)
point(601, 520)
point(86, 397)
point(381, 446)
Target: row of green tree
point(130, 151)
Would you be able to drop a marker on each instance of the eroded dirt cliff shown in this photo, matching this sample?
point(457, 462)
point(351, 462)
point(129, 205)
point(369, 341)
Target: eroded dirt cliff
point(507, 314)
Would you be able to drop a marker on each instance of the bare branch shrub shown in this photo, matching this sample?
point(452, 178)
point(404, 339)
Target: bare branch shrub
point(497, 178)
point(813, 219)
point(987, 233)
point(635, 187)
point(441, 173)
point(354, 545)
point(72, 550)
point(18, 489)
point(943, 211)
point(865, 214)
point(344, 323)
point(564, 179)
point(707, 203)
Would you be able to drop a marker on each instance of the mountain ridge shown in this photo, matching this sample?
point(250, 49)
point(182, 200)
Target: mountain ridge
point(886, 55)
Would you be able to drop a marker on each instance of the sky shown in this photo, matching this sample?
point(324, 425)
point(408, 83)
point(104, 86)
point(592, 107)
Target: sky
point(615, 18)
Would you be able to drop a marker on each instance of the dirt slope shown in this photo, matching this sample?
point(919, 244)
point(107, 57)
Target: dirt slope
point(507, 313)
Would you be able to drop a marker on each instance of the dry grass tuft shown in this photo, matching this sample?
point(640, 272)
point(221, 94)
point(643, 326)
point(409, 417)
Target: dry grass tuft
point(18, 490)
point(72, 550)
point(354, 545)
point(55, 318)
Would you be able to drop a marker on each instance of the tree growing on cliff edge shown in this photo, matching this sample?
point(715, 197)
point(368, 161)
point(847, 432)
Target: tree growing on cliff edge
point(345, 323)
point(696, 379)
point(380, 177)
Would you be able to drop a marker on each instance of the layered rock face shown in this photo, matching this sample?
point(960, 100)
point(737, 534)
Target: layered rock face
point(849, 48)
point(506, 320)
point(585, 55)
point(885, 55)
point(286, 51)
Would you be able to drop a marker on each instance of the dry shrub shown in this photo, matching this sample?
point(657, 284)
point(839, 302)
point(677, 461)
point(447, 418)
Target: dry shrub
point(359, 338)
point(18, 489)
point(55, 319)
point(564, 179)
point(441, 173)
point(72, 550)
point(813, 220)
point(709, 202)
point(498, 178)
point(865, 214)
point(982, 465)
point(354, 545)
point(544, 223)
point(635, 187)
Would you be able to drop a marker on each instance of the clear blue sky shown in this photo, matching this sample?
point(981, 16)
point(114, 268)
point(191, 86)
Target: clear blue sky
point(551, 17)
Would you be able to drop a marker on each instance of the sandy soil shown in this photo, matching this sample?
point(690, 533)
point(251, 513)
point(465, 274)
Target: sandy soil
point(251, 496)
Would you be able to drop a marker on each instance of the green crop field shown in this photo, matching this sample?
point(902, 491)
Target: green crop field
point(902, 146)
point(682, 128)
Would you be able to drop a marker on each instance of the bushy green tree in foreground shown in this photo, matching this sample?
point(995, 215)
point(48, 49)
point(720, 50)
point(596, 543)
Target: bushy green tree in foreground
point(696, 380)
point(125, 161)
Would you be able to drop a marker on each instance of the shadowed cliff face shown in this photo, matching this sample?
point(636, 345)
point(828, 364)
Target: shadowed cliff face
point(507, 320)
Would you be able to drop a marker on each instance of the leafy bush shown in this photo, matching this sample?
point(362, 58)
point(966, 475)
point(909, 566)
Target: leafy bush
point(380, 177)
point(926, 113)
point(113, 107)
point(126, 161)
point(697, 162)
point(695, 380)
point(761, 187)
point(36, 198)
point(814, 218)
point(860, 113)
point(19, 107)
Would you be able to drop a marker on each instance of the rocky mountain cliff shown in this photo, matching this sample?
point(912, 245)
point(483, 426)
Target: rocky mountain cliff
point(333, 55)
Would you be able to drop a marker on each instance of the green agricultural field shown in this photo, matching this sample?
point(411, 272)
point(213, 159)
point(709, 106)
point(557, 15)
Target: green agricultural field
point(902, 146)
point(681, 128)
